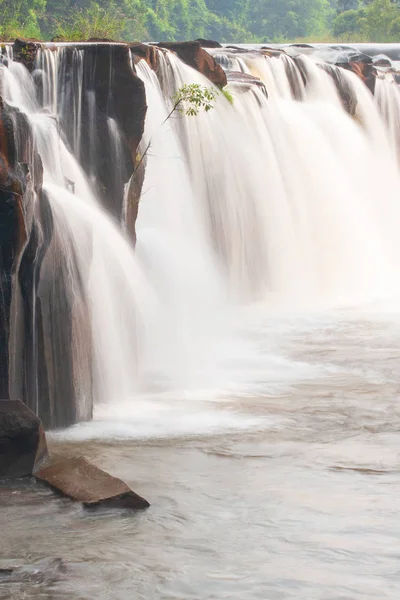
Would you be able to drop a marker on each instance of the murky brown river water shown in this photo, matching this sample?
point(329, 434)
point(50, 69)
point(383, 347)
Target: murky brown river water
point(290, 493)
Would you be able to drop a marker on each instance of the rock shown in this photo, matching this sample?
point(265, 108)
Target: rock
point(208, 43)
point(195, 56)
point(301, 46)
point(246, 80)
point(119, 94)
point(23, 445)
point(362, 66)
point(147, 52)
point(25, 51)
point(83, 482)
point(345, 91)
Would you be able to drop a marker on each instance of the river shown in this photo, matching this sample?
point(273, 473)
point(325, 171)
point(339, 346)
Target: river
point(286, 488)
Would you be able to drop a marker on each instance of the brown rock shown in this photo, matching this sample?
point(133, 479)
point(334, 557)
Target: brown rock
point(83, 482)
point(195, 56)
point(363, 67)
point(208, 43)
point(147, 52)
point(25, 51)
point(22, 440)
point(246, 79)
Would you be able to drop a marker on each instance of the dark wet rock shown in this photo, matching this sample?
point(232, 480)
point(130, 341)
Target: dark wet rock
point(195, 56)
point(145, 51)
point(245, 79)
point(361, 65)
point(346, 93)
point(23, 445)
point(117, 93)
point(25, 51)
point(20, 178)
point(44, 332)
point(272, 52)
point(208, 43)
point(83, 482)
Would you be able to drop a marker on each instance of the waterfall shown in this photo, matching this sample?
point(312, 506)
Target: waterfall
point(388, 98)
point(174, 248)
point(298, 218)
point(288, 197)
point(103, 279)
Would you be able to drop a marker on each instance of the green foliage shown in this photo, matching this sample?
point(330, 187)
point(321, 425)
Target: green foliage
point(91, 22)
point(20, 18)
point(227, 95)
point(375, 21)
point(224, 20)
point(192, 98)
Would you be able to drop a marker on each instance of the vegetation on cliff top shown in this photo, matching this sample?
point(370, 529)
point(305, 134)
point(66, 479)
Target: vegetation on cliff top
point(224, 20)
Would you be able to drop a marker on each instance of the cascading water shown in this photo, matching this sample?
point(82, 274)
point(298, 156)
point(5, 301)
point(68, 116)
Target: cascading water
point(388, 97)
point(270, 198)
point(174, 247)
point(312, 227)
point(102, 271)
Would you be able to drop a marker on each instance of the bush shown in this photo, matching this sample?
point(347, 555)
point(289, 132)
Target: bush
point(91, 22)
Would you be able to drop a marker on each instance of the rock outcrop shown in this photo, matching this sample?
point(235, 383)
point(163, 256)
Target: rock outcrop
point(25, 51)
point(195, 56)
point(83, 482)
point(362, 65)
point(113, 97)
point(22, 440)
point(208, 43)
point(146, 52)
point(45, 336)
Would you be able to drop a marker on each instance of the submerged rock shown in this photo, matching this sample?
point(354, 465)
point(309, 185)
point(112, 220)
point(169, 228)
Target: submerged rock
point(83, 482)
point(23, 445)
point(18, 572)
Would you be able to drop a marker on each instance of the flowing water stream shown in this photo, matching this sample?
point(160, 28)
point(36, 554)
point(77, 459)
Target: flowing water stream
point(246, 362)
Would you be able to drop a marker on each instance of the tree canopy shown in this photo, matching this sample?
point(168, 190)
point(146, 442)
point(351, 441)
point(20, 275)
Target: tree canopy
point(225, 20)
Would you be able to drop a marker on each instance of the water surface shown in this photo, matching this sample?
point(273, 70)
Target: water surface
point(282, 483)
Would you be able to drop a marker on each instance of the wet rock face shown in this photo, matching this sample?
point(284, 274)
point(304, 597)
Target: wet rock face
point(39, 313)
point(83, 482)
point(25, 51)
point(195, 56)
point(15, 187)
point(346, 94)
point(111, 90)
point(362, 66)
point(145, 51)
point(22, 440)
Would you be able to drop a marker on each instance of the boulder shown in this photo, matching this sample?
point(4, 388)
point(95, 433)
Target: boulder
point(83, 482)
point(22, 440)
point(195, 56)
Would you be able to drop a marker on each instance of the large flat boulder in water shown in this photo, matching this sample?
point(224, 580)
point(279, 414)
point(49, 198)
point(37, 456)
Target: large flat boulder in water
point(22, 440)
point(83, 482)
